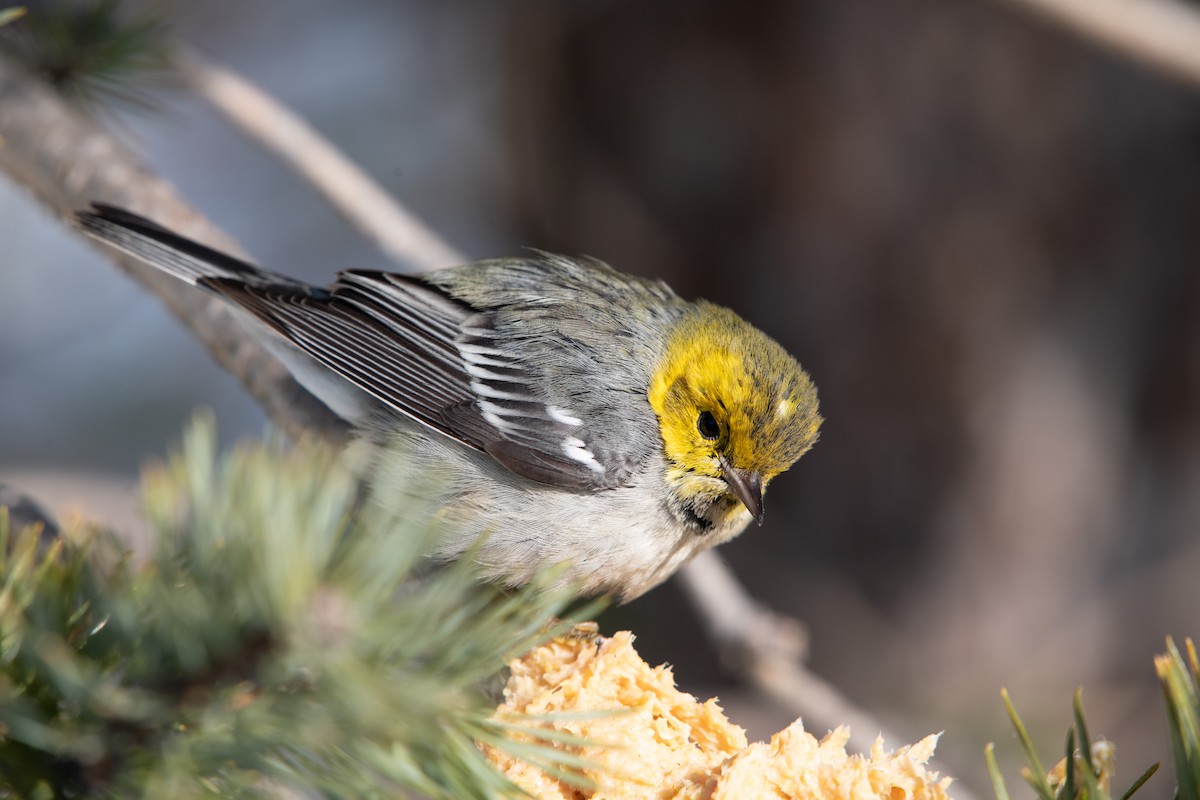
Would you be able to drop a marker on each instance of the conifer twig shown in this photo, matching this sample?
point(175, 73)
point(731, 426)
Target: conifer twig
point(268, 635)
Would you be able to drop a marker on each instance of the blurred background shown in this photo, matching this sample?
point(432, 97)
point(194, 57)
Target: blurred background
point(978, 233)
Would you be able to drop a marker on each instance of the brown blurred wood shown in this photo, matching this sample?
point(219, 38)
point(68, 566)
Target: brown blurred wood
point(67, 160)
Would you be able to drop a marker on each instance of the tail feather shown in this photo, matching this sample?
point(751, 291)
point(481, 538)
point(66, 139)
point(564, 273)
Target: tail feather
point(170, 252)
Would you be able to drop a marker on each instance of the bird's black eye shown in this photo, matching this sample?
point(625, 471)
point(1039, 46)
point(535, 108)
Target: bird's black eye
point(708, 426)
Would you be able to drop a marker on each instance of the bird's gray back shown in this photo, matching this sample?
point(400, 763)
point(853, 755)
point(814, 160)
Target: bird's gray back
point(593, 334)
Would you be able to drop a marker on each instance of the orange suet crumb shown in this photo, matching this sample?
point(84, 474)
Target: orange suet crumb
point(657, 742)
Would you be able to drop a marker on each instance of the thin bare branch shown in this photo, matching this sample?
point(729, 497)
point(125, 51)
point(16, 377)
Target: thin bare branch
point(766, 650)
point(1163, 34)
point(67, 160)
point(402, 237)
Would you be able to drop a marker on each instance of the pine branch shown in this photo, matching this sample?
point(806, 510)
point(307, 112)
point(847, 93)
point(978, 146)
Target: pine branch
point(271, 641)
point(1181, 689)
point(95, 52)
point(1085, 772)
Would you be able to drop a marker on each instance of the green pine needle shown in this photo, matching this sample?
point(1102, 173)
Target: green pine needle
point(93, 51)
point(1084, 773)
point(272, 643)
point(1081, 727)
point(1145, 776)
point(1036, 774)
point(993, 768)
point(1086, 766)
point(1069, 774)
point(1180, 689)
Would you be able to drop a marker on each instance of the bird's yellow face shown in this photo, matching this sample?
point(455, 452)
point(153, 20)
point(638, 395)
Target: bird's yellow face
point(734, 409)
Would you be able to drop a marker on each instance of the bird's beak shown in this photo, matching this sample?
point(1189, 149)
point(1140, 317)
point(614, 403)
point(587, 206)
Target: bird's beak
point(748, 486)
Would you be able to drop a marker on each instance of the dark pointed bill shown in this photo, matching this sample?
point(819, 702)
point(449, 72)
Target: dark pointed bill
point(747, 486)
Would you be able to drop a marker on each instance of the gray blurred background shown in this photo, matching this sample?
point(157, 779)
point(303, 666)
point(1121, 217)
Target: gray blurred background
point(978, 234)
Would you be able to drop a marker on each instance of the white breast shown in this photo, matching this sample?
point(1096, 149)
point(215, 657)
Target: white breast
point(622, 540)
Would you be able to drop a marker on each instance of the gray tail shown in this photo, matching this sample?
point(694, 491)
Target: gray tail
point(159, 247)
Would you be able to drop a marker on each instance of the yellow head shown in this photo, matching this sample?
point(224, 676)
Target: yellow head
point(735, 410)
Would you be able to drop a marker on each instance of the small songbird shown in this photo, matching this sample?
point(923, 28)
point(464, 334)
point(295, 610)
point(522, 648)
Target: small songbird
point(579, 416)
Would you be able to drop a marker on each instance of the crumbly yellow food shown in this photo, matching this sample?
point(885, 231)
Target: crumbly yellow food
point(658, 742)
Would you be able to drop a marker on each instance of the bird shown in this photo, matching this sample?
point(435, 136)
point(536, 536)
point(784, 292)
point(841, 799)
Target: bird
point(575, 415)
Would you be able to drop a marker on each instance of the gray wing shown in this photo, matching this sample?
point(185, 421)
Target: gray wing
point(488, 354)
point(424, 354)
point(559, 353)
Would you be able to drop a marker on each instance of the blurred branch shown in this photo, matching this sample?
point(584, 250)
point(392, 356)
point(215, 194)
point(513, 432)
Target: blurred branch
point(401, 236)
point(11, 14)
point(1163, 34)
point(766, 650)
point(67, 160)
